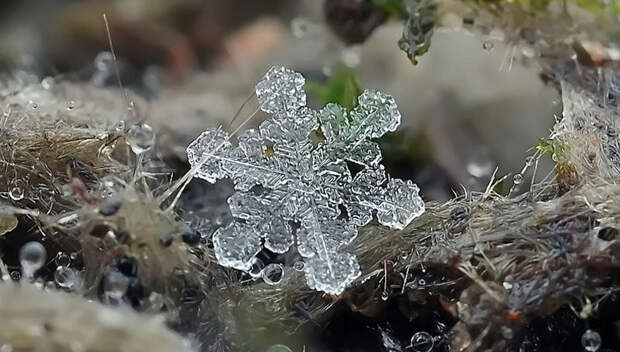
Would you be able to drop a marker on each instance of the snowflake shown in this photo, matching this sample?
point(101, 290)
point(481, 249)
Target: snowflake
point(305, 176)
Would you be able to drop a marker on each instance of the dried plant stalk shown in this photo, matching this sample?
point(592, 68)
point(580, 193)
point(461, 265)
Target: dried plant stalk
point(35, 320)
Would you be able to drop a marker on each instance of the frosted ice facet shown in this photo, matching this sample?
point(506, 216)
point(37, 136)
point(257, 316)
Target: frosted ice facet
point(281, 91)
point(291, 185)
point(329, 236)
point(348, 134)
point(332, 274)
point(290, 131)
point(334, 119)
point(401, 204)
point(235, 246)
point(375, 114)
point(364, 194)
point(211, 145)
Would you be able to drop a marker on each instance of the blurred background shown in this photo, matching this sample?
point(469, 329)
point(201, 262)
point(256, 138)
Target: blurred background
point(469, 106)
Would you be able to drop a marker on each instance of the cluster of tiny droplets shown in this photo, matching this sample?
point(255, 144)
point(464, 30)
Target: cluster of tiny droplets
point(282, 176)
point(32, 257)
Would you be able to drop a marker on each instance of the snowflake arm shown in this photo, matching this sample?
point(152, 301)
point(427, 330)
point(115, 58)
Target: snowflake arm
point(348, 134)
point(396, 202)
point(209, 149)
point(281, 92)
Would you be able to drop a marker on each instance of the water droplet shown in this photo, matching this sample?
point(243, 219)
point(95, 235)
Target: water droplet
point(62, 259)
point(152, 78)
point(131, 107)
point(111, 185)
point(422, 341)
point(104, 61)
point(299, 27)
point(591, 340)
point(507, 332)
point(279, 348)
point(351, 56)
point(110, 238)
point(487, 46)
point(66, 277)
point(140, 137)
point(219, 220)
point(33, 105)
point(16, 275)
point(385, 295)
point(327, 69)
point(299, 265)
point(71, 105)
point(517, 179)
point(119, 126)
point(529, 161)
point(480, 166)
point(31, 257)
point(528, 52)
point(115, 285)
point(272, 274)
point(48, 82)
point(16, 192)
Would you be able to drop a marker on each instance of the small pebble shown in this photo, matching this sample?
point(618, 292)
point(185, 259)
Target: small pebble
point(166, 240)
point(110, 208)
point(127, 266)
point(459, 213)
point(191, 237)
point(607, 233)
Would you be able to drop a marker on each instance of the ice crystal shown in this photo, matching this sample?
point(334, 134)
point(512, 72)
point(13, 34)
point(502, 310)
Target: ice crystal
point(292, 184)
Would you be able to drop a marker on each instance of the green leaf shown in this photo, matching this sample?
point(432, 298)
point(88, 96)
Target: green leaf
point(342, 88)
point(551, 147)
point(393, 7)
